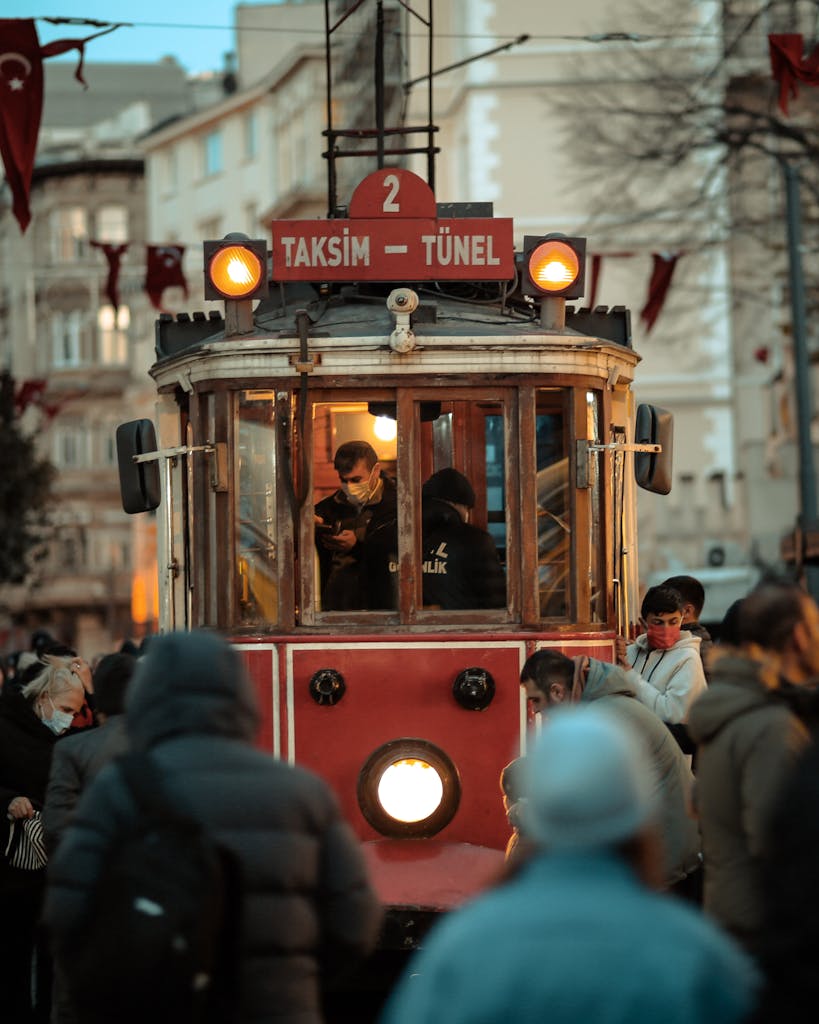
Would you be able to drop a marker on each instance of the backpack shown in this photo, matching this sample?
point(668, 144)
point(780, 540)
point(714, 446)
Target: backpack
point(161, 943)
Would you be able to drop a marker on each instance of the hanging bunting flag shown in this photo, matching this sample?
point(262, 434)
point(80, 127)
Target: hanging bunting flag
point(661, 274)
point(164, 270)
point(21, 101)
point(30, 392)
point(113, 253)
point(789, 66)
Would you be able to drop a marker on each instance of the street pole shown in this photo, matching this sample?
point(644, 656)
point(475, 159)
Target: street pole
point(804, 403)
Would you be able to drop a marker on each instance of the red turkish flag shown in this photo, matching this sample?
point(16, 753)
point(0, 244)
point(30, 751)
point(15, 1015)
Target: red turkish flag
point(661, 274)
point(113, 253)
point(164, 270)
point(21, 102)
point(789, 66)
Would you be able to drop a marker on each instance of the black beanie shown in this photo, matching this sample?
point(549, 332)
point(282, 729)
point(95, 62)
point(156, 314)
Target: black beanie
point(450, 485)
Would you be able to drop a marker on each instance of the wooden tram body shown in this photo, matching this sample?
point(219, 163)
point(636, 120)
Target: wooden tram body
point(538, 415)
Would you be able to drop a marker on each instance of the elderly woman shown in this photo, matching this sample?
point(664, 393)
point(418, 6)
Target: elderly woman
point(30, 722)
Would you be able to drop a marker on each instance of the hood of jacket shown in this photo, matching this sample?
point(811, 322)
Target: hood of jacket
point(604, 680)
point(735, 687)
point(190, 683)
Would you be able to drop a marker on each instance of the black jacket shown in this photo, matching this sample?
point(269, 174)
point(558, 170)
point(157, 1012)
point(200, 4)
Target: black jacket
point(26, 746)
point(460, 564)
point(461, 568)
point(343, 583)
point(307, 904)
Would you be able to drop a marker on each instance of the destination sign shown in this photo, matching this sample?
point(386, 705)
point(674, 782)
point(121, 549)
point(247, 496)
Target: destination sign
point(393, 234)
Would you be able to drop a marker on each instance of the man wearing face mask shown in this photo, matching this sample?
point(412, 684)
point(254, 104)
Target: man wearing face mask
point(30, 722)
point(345, 519)
point(664, 663)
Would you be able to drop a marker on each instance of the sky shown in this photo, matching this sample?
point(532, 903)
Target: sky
point(196, 32)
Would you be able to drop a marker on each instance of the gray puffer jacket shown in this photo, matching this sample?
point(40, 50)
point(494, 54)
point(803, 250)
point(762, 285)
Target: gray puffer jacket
point(308, 908)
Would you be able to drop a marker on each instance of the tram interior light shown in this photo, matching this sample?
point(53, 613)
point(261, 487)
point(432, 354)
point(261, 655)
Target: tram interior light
point(554, 265)
point(236, 268)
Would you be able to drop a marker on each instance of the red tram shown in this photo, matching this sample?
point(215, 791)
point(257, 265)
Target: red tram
point(427, 336)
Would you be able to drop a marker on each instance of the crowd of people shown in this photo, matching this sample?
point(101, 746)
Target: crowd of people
point(663, 827)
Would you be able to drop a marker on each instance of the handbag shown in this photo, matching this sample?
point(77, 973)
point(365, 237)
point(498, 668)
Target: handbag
point(25, 848)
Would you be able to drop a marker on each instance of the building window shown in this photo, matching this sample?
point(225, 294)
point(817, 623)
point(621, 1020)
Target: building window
point(69, 234)
point(65, 339)
point(250, 136)
point(112, 223)
point(70, 449)
point(212, 154)
point(112, 335)
point(210, 229)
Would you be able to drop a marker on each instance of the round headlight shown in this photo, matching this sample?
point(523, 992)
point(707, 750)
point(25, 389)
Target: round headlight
point(409, 787)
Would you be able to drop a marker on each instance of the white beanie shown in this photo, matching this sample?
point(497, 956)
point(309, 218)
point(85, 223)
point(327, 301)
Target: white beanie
point(590, 781)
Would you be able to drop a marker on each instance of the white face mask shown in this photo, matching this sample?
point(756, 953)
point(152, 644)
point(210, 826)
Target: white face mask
point(360, 493)
point(59, 722)
point(357, 493)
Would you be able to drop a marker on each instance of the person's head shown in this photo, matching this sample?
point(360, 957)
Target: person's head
point(692, 593)
point(56, 694)
point(729, 627)
point(781, 619)
point(359, 470)
point(111, 678)
point(662, 615)
point(190, 684)
point(589, 781)
point(453, 487)
point(40, 640)
point(547, 679)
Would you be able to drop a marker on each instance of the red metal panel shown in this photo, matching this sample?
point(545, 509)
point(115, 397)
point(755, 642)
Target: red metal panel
point(259, 662)
point(405, 690)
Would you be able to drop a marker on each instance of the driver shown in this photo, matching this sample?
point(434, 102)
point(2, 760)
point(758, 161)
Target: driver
point(345, 519)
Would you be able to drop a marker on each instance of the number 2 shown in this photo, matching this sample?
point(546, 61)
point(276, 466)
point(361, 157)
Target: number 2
point(391, 182)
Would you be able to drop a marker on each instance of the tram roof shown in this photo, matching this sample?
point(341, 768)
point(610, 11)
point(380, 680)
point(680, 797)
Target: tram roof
point(352, 320)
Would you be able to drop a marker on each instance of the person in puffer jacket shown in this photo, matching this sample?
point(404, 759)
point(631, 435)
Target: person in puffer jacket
point(664, 663)
point(308, 909)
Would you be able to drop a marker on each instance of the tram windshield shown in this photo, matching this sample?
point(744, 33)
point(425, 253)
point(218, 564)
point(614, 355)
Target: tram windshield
point(412, 504)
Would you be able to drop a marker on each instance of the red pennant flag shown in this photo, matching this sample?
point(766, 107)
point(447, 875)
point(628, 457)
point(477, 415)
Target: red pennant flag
point(164, 271)
point(661, 274)
point(789, 66)
point(113, 253)
point(30, 392)
point(21, 102)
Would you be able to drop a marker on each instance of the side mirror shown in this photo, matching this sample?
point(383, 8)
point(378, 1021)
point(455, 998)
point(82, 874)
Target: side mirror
point(654, 426)
point(139, 483)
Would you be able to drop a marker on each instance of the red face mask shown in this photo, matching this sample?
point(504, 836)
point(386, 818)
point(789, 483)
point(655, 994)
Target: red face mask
point(662, 637)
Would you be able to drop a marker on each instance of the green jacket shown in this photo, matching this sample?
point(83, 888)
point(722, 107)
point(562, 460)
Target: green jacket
point(748, 741)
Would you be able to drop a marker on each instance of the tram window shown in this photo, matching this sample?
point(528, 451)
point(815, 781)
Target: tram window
point(596, 571)
point(355, 521)
point(553, 524)
point(256, 512)
point(463, 519)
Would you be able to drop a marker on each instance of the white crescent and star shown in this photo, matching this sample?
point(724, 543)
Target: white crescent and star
point(16, 84)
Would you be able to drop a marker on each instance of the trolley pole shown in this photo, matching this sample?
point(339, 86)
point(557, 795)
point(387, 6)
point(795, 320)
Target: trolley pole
point(804, 404)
